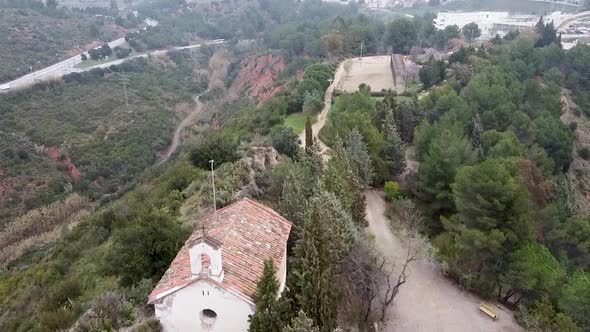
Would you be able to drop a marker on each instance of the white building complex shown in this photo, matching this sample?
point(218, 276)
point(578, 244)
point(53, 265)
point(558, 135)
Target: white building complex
point(490, 23)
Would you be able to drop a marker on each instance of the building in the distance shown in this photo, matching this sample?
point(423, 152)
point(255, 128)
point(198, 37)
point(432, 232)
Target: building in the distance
point(211, 283)
point(490, 23)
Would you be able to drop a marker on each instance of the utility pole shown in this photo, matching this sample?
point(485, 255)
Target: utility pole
point(125, 81)
point(212, 162)
point(362, 42)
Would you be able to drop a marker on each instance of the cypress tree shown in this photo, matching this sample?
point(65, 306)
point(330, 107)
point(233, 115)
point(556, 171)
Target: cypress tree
point(393, 148)
point(267, 317)
point(359, 203)
point(324, 243)
point(293, 199)
point(308, 132)
point(338, 173)
point(359, 158)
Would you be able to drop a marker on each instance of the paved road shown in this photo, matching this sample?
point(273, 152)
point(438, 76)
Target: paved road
point(145, 55)
point(68, 66)
point(428, 301)
point(54, 71)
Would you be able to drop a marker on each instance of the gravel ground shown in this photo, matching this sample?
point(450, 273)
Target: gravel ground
point(372, 70)
point(428, 301)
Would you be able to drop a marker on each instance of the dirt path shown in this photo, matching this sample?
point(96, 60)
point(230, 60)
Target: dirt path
point(181, 126)
point(321, 121)
point(428, 301)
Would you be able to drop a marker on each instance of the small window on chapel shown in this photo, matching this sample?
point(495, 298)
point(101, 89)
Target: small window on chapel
point(208, 318)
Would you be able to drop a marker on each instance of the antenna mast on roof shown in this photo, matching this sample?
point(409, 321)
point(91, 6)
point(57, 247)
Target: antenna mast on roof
point(212, 162)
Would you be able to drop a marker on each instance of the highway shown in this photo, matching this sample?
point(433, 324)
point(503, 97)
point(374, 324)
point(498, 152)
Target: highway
point(69, 66)
point(54, 71)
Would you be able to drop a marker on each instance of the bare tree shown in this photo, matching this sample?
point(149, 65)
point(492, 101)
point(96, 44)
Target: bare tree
point(370, 282)
point(408, 224)
point(362, 273)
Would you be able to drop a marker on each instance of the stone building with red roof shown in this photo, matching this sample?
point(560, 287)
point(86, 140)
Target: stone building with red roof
point(211, 283)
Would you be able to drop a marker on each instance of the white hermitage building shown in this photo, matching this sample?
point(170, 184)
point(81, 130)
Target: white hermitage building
point(210, 284)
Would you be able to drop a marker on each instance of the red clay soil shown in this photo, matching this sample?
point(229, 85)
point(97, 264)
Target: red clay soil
point(54, 154)
point(259, 74)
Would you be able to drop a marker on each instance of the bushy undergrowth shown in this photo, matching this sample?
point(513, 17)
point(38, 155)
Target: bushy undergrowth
point(109, 134)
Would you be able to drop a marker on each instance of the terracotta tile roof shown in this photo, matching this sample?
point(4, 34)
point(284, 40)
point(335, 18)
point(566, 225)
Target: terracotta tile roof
point(248, 232)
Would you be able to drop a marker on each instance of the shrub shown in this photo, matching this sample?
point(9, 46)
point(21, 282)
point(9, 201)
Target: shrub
point(214, 147)
point(584, 153)
point(107, 313)
point(573, 126)
point(150, 325)
point(58, 319)
point(392, 190)
point(65, 292)
point(284, 140)
point(138, 293)
point(144, 248)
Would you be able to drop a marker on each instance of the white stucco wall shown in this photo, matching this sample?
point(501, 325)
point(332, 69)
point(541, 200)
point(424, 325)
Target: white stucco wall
point(282, 274)
point(181, 310)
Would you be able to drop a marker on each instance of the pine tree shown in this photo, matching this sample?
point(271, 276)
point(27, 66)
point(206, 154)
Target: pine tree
point(393, 148)
point(358, 154)
point(267, 317)
point(308, 132)
point(302, 323)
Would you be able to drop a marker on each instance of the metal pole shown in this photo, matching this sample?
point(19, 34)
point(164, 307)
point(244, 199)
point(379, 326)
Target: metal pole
point(213, 182)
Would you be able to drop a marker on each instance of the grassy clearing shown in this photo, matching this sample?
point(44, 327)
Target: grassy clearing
point(296, 121)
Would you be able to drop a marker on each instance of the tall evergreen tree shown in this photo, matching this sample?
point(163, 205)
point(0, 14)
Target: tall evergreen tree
point(308, 132)
point(360, 161)
point(359, 202)
point(393, 149)
point(324, 243)
point(338, 173)
point(313, 162)
point(293, 199)
point(266, 318)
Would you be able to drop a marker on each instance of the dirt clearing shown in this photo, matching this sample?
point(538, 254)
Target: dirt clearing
point(374, 71)
point(428, 301)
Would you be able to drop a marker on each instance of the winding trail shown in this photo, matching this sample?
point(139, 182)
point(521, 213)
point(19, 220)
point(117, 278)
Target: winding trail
point(428, 301)
point(187, 121)
point(322, 117)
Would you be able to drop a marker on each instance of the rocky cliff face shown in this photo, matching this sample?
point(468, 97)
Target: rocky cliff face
point(257, 160)
point(258, 76)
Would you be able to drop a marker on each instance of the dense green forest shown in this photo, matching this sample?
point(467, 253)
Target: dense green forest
point(492, 184)
point(492, 153)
